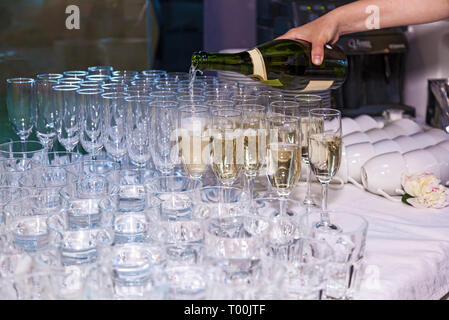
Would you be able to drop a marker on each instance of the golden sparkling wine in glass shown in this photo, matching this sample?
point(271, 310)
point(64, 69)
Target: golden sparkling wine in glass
point(325, 155)
point(283, 166)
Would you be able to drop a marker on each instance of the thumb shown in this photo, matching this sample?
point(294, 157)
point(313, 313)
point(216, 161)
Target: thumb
point(317, 52)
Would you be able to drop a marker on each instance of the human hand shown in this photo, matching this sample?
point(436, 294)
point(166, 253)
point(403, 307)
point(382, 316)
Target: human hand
point(319, 32)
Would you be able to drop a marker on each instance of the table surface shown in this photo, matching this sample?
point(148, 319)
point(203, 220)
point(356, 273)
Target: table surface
point(407, 249)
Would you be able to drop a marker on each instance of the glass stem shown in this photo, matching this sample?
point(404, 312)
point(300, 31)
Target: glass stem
point(283, 206)
point(309, 182)
point(251, 187)
point(324, 213)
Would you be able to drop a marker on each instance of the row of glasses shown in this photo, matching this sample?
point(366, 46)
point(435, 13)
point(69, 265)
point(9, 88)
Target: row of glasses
point(184, 251)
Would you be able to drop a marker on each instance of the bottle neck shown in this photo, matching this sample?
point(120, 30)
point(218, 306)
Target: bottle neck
point(237, 62)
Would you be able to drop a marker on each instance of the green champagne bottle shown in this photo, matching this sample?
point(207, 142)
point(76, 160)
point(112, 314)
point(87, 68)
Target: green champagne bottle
point(285, 64)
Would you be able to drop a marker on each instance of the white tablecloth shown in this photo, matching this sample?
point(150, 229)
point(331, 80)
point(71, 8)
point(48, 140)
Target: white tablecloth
point(407, 249)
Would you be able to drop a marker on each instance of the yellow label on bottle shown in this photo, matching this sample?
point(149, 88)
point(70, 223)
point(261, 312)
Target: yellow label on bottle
point(318, 85)
point(259, 69)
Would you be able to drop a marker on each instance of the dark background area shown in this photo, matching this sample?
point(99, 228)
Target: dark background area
point(127, 34)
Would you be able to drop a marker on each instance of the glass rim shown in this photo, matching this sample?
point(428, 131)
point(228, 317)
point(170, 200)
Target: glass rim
point(29, 142)
point(89, 91)
point(326, 112)
point(285, 104)
point(254, 107)
point(114, 95)
point(199, 107)
point(187, 97)
point(78, 72)
point(65, 87)
point(163, 104)
point(114, 84)
point(219, 101)
point(309, 97)
point(49, 76)
point(93, 68)
point(233, 112)
point(98, 76)
point(20, 80)
point(122, 72)
point(273, 117)
point(41, 81)
point(142, 98)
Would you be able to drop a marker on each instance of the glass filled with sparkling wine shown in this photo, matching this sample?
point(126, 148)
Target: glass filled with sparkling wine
point(254, 141)
point(194, 139)
point(226, 150)
point(325, 150)
point(283, 154)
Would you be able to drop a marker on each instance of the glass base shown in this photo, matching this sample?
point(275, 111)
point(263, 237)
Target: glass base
point(325, 226)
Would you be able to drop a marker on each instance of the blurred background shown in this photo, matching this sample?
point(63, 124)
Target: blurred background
point(388, 68)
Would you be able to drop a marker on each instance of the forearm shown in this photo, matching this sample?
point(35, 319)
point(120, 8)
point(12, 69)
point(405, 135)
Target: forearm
point(392, 13)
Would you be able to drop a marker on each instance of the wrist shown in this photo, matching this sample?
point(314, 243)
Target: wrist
point(334, 20)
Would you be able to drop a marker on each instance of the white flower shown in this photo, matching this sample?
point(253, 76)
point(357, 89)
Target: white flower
point(426, 191)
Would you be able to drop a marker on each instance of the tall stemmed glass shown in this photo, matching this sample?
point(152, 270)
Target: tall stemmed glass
point(164, 139)
point(306, 103)
point(325, 154)
point(21, 105)
point(283, 155)
point(69, 114)
point(92, 115)
point(193, 131)
point(227, 145)
point(115, 112)
point(138, 140)
point(47, 112)
point(254, 141)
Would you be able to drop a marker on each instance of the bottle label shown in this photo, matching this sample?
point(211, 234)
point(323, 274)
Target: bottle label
point(259, 69)
point(318, 85)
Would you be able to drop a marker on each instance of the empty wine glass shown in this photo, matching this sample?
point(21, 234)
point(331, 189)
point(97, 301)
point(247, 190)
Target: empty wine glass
point(306, 103)
point(193, 125)
point(162, 131)
point(91, 134)
point(21, 105)
point(254, 141)
point(68, 124)
point(226, 148)
point(47, 112)
point(266, 97)
point(325, 150)
point(138, 129)
point(115, 113)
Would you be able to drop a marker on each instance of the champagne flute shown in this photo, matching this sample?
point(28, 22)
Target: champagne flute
point(69, 115)
point(306, 103)
point(325, 150)
point(47, 112)
point(227, 147)
point(21, 105)
point(193, 132)
point(283, 155)
point(254, 141)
